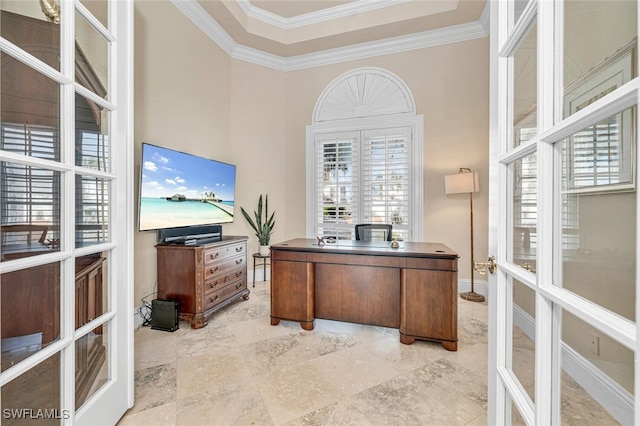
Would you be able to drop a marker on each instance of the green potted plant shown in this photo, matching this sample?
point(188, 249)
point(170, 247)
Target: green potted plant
point(262, 227)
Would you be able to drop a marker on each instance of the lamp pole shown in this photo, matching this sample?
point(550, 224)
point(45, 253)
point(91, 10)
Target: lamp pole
point(472, 295)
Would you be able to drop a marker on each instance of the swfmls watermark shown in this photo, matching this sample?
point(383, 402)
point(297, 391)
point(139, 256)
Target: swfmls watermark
point(35, 413)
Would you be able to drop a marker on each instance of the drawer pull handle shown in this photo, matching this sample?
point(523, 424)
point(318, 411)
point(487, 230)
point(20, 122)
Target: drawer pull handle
point(238, 285)
point(239, 261)
point(212, 270)
point(238, 249)
point(238, 274)
point(214, 285)
point(213, 256)
point(213, 299)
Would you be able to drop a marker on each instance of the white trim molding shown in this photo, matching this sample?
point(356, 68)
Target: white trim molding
point(323, 15)
point(453, 34)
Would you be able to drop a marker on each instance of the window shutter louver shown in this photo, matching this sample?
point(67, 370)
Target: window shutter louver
point(386, 178)
point(337, 182)
point(363, 177)
point(30, 195)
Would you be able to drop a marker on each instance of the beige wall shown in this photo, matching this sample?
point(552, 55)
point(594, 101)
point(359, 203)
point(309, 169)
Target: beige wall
point(198, 100)
point(450, 86)
point(182, 97)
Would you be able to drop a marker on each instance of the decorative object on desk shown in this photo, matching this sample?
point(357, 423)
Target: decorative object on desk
point(466, 181)
point(320, 241)
point(263, 229)
point(395, 244)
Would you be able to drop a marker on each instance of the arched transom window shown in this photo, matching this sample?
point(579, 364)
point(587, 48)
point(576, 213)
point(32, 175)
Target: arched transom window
point(364, 157)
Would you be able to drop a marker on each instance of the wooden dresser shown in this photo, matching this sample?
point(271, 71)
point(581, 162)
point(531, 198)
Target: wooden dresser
point(203, 278)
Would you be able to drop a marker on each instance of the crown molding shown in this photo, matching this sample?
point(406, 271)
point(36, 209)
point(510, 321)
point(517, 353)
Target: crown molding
point(335, 12)
point(452, 34)
point(484, 17)
point(201, 18)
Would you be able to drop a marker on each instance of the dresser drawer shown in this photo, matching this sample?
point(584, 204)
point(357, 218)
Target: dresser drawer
point(224, 266)
point(214, 254)
point(219, 281)
point(219, 296)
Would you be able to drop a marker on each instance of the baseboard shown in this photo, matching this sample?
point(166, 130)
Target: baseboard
point(613, 397)
point(260, 275)
point(479, 286)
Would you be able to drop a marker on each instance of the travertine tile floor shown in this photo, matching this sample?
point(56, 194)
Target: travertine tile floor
point(240, 370)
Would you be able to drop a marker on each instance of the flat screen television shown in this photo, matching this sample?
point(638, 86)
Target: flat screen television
point(179, 189)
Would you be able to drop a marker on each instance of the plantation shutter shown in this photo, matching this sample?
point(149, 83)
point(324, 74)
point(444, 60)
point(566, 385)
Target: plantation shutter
point(363, 177)
point(337, 176)
point(386, 178)
point(599, 156)
point(30, 195)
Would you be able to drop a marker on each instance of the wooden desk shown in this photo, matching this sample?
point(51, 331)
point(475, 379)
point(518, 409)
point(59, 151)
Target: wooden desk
point(413, 288)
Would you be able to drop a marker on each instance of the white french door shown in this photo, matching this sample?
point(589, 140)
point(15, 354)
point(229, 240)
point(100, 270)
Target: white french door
point(66, 211)
point(563, 302)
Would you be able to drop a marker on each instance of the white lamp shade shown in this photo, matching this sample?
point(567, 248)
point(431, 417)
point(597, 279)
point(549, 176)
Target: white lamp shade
point(462, 183)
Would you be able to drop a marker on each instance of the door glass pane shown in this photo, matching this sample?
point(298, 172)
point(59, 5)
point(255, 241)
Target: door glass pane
point(33, 398)
point(92, 210)
point(30, 107)
point(29, 211)
point(590, 354)
point(578, 407)
point(525, 212)
point(29, 311)
point(599, 221)
point(525, 89)
point(92, 366)
point(518, 8)
point(99, 9)
point(92, 58)
point(596, 65)
point(523, 352)
point(516, 418)
point(25, 24)
point(91, 289)
point(92, 135)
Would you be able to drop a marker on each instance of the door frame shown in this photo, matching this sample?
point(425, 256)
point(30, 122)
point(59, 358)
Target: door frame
point(550, 299)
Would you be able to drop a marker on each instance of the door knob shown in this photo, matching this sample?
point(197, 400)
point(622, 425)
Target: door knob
point(482, 267)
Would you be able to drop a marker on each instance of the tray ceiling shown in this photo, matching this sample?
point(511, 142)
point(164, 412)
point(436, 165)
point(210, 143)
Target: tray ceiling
point(289, 28)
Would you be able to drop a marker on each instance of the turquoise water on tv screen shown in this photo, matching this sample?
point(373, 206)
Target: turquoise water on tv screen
point(156, 213)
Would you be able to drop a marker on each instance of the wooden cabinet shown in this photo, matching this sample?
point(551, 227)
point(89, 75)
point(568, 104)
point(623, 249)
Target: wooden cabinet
point(203, 278)
point(413, 288)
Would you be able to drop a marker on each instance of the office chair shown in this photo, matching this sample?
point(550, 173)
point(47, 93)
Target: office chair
point(373, 232)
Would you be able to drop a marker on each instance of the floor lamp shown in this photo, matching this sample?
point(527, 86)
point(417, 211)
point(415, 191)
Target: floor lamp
point(465, 181)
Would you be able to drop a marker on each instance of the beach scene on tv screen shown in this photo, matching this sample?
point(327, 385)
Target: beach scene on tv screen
point(178, 189)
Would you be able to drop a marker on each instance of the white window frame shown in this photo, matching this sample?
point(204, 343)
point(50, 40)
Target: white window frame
point(415, 122)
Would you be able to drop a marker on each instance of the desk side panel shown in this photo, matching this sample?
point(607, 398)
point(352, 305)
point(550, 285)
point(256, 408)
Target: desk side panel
point(429, 305)
point(292, 284)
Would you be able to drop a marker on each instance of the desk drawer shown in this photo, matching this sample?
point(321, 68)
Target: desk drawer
point(215, 254)
point(224, 266)
point(432, 264)
point(218, 296)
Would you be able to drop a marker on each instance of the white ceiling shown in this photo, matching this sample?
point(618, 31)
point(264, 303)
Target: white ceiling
point(295, 34)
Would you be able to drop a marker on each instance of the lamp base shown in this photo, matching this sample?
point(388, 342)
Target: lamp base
point(472, 297)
